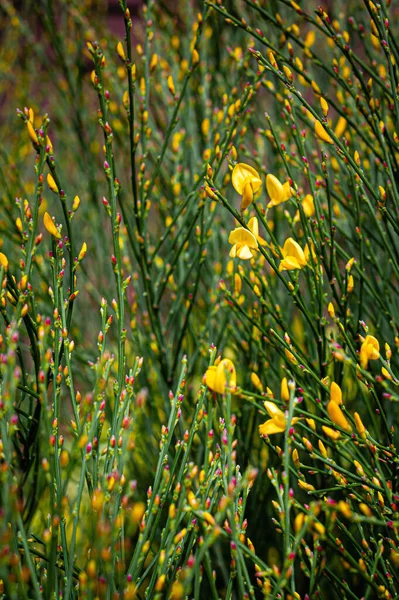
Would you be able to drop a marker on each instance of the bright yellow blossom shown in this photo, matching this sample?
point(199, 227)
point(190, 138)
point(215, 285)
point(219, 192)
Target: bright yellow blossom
point(277, 423)
point(335, 393)
point(307, 206)
point(216, 379)
point(3, 260)
point(293, 256)
point(246, 181)
point(278, 192)
point(322, 133)
point(50, 226)
point(370, 350)
point(337, 416)
point(245, 241)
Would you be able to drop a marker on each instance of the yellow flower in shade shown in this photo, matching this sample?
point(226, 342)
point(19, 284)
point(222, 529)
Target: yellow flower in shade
point(245, 241)
point(246, 181)
point(277, 422)
point(369, 350)
point(221, 376)
point(278, 192)
point(337, 416)
point(50, 226)
point(335, 393)
point(293, 256)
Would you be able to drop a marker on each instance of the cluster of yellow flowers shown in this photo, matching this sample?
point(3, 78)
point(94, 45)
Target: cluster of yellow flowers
point(246, 241)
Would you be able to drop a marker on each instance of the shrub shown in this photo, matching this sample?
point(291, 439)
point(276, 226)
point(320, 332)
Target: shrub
point(199, 333)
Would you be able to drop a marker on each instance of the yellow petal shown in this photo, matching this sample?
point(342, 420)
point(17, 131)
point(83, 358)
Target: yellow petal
point(243, 174)
point(370, 340)
point(274, 412)
point(247, 196)
point(50, 226)
point(308, 205)
point(270, 427)
point(275, 190)
point(120, 50)
point(292, 249)
point(32, 132)
point(287, 190)
point(289, 264)
point(340, 127)
point(331, 433)
point(210, 377)
point(226, 365)
point(244, 252)
point(51, 183)
point(284, 391)
point(335, 393)
point(3, 260)
point(253, 226)
point(322, 133)
point(243, 236)
point(337, 416)
point(216, 379)
point(359, 425)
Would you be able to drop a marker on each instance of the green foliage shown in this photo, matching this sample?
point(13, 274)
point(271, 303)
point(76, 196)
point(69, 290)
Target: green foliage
point(135, 253)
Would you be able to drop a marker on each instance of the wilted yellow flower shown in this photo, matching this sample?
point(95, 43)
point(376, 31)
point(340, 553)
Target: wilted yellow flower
point(370, 350)
point(50, 226)
point(216, 379)
point(277, 423)
point(245, 241)
point(246, 181)
point(278, 192)
point(293, 256)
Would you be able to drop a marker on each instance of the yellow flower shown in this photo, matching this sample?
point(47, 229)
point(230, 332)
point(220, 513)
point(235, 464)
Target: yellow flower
point(322, 133)
point(50, 226)
point(335, 393)
point(293, 256)
point(3, 260)
point(337, 416)
point(32, 133)
point(278, 192)
point(331, 433)
point(277, 423)
point(369, 350)
point(215, 376)
point(51, 183)
point(308, 207)
point(245, 241)
point(253, 227)
point(246, 181)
